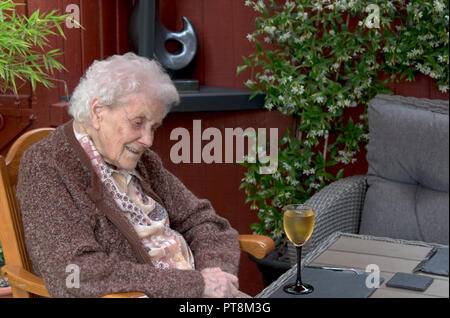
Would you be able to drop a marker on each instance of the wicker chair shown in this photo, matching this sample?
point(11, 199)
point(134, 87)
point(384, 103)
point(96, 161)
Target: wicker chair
point(405, 192)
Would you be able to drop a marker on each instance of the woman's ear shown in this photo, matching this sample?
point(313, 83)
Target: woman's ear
point(96, 112)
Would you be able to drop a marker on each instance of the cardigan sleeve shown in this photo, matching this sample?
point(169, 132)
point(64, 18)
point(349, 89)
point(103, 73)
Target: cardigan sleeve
point(60, 233)
point(211, 238)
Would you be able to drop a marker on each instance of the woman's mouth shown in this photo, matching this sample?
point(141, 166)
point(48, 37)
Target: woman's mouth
point(133, 151)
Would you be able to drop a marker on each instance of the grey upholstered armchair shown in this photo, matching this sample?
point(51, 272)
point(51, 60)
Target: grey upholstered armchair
point(405, 193)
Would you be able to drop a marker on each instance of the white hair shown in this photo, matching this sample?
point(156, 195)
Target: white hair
point(118, 78)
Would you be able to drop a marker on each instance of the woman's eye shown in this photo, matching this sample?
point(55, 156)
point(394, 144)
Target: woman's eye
point(137, 122)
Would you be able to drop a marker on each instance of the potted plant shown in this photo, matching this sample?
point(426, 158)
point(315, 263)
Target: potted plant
point(321, 62)
point(24, 42)
point(25, 58)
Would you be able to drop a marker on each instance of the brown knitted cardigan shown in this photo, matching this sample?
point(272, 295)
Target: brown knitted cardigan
point(69, 217)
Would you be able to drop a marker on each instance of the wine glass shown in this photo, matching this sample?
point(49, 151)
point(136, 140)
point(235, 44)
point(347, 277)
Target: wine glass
point(298, 222)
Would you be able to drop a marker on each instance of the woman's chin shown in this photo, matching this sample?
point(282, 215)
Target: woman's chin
point(127, 164)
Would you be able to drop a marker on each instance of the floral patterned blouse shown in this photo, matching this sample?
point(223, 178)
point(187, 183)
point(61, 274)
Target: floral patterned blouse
point(166, 247)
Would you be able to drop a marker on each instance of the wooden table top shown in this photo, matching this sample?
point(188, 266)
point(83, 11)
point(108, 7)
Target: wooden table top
point(391, 256)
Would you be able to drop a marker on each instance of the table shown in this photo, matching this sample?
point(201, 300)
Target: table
point(358, 251)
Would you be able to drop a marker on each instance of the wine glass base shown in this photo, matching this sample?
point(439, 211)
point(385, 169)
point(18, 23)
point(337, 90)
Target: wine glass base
point(298, 289)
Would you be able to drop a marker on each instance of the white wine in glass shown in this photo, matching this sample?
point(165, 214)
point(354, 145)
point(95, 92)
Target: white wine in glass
point(298, 222)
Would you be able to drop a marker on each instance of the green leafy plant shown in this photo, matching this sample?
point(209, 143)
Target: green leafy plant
point(315, 60)
point(23, 44)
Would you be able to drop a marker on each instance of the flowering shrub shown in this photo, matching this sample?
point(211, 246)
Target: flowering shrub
point(319, 59)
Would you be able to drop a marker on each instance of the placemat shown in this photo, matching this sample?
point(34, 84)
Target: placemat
point(330, 284)
point(410, 281)
point(436, 262)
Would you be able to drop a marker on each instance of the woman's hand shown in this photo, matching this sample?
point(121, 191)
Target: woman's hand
point(219, 284)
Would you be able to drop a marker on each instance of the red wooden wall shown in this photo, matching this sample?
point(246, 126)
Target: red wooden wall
point(222, 26)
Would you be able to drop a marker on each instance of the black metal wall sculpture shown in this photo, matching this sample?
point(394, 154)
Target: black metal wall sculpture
point(149, 37)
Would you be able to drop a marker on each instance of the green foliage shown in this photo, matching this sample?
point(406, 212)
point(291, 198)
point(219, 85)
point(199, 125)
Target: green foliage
point(23, 43)
point(315, 59)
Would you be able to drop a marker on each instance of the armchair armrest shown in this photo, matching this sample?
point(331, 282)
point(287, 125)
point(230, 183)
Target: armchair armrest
point(337, 207)
point(17, 277)
point(256, 245)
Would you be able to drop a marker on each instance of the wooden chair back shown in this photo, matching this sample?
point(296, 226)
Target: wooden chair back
point(11, 229)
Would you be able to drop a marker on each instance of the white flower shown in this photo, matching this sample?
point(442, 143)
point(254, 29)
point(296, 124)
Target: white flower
point(286, 166)
point(418, 14)
point(438, 6)
point(425, 37)
point(270, 29)
point(248, 3)
point(345, 157)
point(314, 185)
point(320, 99)
point(250, 37)
point(317, 6)
point(249, 82)
point(276, 175)
point(309, 171)
point(414, 52)
point(251, 180)
point(289, 4)
point(285, 36)
point(443, 88)
point(300, 90)
point(302, 15)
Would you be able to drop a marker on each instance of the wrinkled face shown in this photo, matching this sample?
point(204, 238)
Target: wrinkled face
point(122, 134)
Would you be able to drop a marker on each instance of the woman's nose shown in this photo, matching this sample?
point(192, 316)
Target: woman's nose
point(146, 139)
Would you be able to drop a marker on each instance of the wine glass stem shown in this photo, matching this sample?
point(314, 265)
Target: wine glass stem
point(299, 267)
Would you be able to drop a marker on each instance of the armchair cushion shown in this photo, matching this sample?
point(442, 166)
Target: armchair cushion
point(408, 176)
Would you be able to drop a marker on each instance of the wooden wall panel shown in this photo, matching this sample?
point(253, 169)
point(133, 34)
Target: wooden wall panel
point(219, 50)
point(123, 15)
point(72, 57)
point(91, 40)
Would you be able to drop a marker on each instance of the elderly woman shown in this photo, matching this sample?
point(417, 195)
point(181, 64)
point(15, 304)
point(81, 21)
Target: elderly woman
point(98, 203)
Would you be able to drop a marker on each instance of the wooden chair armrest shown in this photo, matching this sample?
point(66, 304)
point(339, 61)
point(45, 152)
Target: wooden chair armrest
point(18, 277)
point(256, 245)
